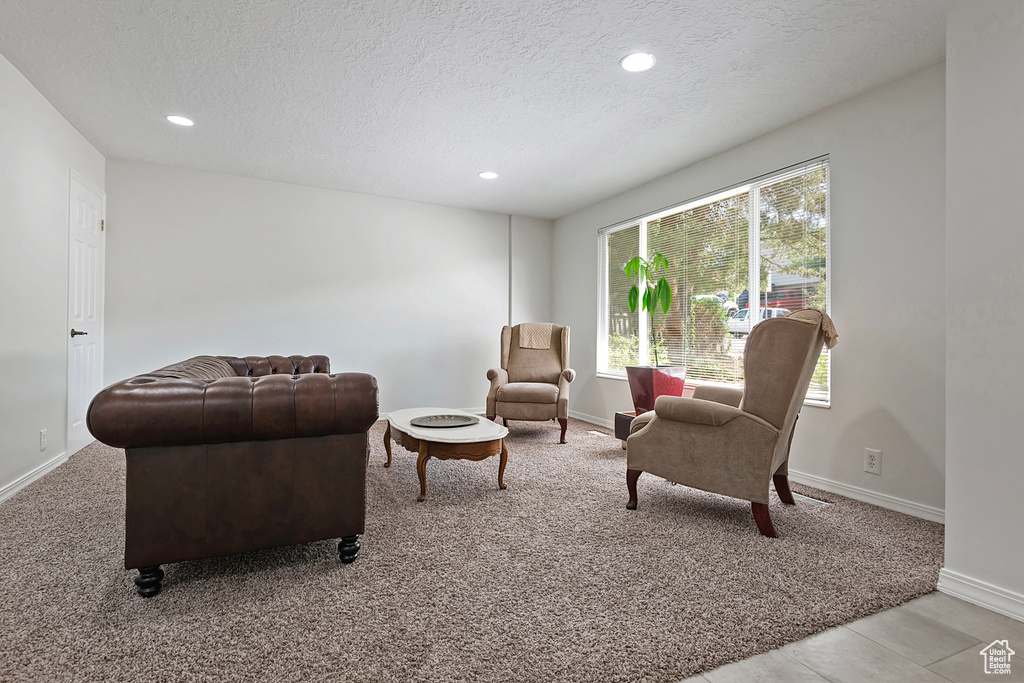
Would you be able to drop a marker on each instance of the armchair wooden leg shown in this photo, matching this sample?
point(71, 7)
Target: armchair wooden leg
point(763, 519)
point(631, 477)
point(565, 423)
point(782, 488)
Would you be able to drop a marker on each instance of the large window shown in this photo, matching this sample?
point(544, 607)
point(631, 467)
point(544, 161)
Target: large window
point(764, 242)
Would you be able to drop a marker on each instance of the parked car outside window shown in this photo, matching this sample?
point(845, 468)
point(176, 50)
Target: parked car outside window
point(722, 298)
point(739, 323)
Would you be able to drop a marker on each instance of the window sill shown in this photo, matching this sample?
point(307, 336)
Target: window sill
point(817, 403)
point(812, 402)
point(608, 375)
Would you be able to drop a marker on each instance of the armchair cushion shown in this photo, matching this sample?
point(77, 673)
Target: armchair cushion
point(527, 392)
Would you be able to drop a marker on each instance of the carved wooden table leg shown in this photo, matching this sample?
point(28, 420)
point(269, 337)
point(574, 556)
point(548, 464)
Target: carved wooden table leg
point(501, 467)
point(421, 470)
point(387, 444)
point(444, 449)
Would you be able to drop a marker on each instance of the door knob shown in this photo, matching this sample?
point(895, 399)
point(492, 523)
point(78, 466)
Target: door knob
point(76, 333)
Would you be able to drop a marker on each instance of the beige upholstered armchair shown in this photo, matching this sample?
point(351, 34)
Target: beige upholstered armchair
point(734, 441)
point(533, 380)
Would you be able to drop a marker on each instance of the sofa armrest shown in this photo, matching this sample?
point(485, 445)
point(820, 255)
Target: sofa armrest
point(730, 396)
point(147, 411)
point(701, 412)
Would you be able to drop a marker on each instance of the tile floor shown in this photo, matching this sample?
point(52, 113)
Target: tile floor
point(933, 638)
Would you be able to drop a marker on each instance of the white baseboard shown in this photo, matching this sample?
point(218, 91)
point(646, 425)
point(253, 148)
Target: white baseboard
point(983, 594)
point(907, 507)
point(24, 480)
point(609, 424)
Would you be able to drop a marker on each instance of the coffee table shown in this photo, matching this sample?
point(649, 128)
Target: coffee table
point(474, 442)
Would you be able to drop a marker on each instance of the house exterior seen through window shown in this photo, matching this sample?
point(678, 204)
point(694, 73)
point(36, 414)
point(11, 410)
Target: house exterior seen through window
point(740, 256)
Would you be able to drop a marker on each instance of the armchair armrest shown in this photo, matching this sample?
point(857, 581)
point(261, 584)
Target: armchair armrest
point(498, 376)
point(562, 409)
point(730, 396)
point(699, 411)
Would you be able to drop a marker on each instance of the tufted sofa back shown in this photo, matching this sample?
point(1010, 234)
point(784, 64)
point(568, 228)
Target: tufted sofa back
point(256, 366)
point(222, 399)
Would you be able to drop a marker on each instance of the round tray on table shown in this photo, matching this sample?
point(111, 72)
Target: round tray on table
point(444, 421)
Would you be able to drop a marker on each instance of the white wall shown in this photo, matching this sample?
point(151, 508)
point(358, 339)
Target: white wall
point(416, 294)
point(531, 270)
point(887, 272)
point(38, 148)
point(985, 283)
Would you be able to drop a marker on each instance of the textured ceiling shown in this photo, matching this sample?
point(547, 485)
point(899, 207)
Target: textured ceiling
point(411, 98)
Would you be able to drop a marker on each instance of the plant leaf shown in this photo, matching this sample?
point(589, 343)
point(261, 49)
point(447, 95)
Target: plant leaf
point(659, 261)
point(632, 267)
point(647, 299)
point(665, 295)
point(656, 293)
point(634, 297)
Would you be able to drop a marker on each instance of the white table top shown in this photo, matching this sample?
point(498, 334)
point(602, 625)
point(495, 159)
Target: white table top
point(484, 430)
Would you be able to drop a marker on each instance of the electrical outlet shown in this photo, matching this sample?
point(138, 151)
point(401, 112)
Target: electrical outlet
point(42, 439)
point(873, 461)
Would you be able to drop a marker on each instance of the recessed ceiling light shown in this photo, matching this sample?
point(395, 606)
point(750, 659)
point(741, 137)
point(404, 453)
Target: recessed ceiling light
point(180, 120)
point(488, 175)
point(638, 61)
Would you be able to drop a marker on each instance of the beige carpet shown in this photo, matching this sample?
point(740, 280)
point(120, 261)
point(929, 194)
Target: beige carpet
point(550, 580)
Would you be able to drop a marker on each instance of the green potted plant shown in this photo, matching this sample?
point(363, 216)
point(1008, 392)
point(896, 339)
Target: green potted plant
point(650, 291)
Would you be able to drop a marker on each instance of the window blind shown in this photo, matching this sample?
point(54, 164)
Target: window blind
point(793, 222)
point(707, 248)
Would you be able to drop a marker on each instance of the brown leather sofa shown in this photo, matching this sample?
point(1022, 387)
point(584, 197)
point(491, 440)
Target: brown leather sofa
point(226, 455)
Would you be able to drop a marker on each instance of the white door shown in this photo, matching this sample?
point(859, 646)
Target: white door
point(85, 307)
